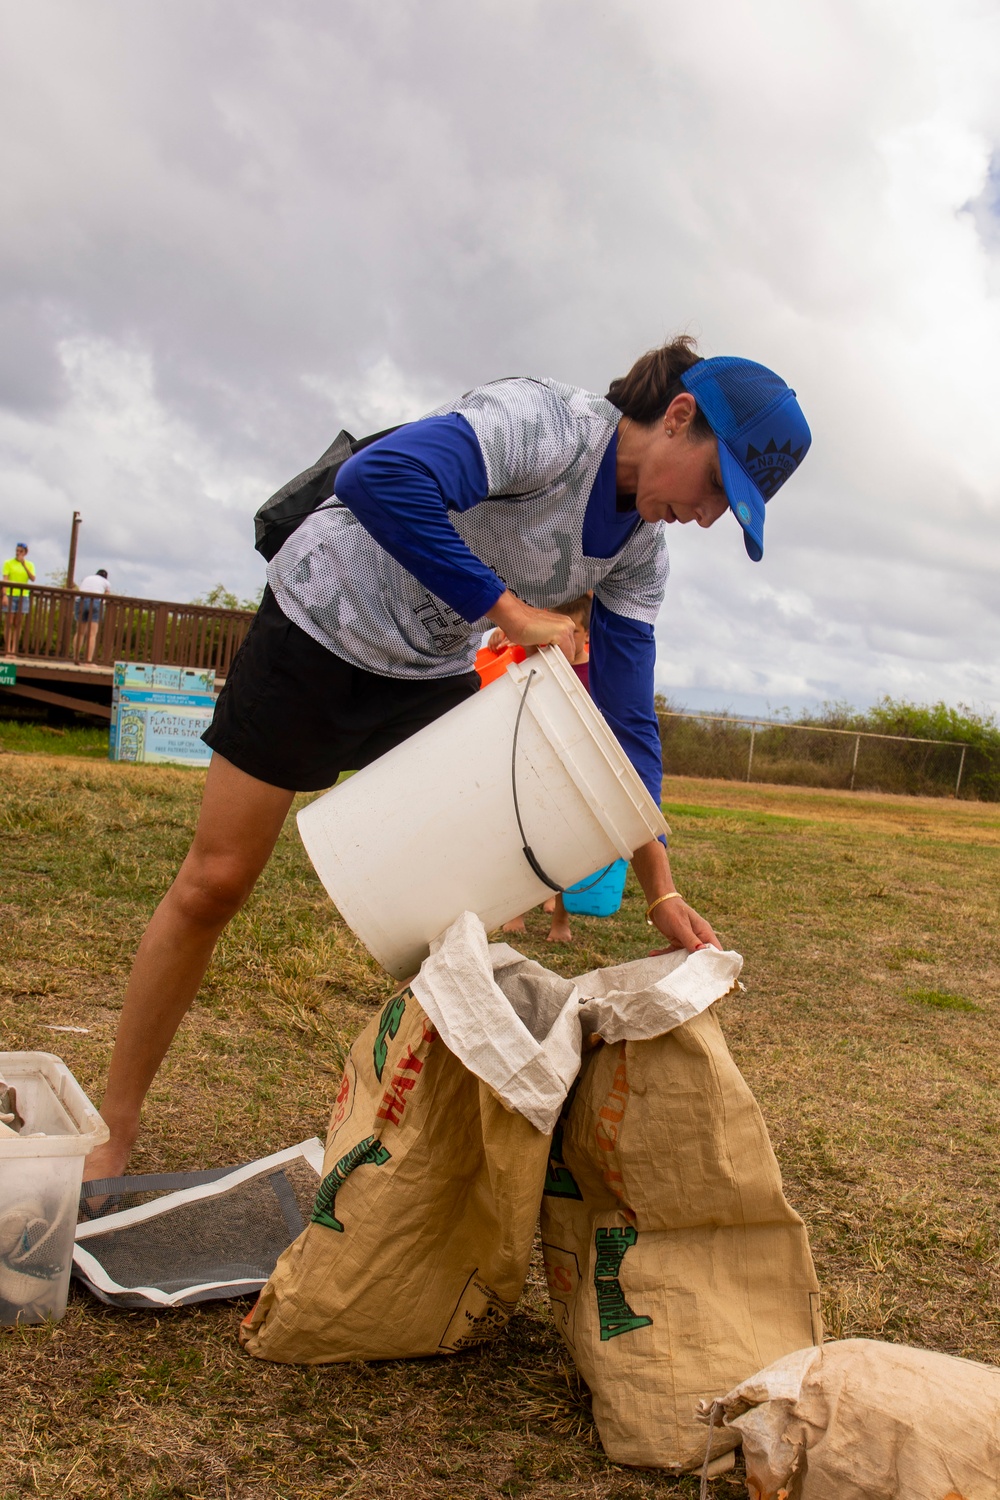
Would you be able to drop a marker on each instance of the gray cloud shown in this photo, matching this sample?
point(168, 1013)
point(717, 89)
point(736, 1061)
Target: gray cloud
point(229, 230)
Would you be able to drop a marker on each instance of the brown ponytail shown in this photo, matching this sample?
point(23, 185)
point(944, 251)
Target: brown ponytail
point(654, 380)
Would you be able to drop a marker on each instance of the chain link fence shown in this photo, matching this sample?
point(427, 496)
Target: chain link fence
point(763, 750)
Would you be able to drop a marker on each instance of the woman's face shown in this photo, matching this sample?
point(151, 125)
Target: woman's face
point(678, 479)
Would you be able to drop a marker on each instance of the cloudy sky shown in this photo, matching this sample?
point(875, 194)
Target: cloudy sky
point(231, 228)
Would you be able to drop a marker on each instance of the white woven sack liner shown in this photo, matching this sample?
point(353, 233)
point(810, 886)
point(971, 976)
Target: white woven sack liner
point(521, 1028)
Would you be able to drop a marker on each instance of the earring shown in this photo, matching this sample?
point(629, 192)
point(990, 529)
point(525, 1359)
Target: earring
point(670, 432)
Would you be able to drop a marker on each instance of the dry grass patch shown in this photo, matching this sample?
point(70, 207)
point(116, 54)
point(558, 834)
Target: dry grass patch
point(884, 1109)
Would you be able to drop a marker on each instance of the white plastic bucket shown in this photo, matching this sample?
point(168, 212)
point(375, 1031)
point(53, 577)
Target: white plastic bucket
point(40, 1176)
point(429, 830)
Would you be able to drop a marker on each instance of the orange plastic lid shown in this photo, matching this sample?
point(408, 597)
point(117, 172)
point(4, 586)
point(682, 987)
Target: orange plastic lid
point(493, 664)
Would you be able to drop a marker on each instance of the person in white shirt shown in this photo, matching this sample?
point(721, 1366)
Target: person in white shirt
point(88, 609)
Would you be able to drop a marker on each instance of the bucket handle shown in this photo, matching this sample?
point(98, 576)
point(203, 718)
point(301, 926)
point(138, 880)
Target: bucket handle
point(526, 848)
point(598, 811)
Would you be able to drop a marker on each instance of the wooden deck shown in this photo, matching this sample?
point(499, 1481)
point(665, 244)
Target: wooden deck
point(130, 629)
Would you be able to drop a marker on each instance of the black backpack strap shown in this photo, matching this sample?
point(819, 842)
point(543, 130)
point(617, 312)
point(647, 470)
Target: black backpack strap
point(289, 506)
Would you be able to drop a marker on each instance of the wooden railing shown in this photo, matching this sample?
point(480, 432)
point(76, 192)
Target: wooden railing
point(180, 635)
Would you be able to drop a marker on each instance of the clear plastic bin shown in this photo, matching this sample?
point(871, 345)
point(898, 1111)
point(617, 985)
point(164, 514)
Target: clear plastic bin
point(40, 1185)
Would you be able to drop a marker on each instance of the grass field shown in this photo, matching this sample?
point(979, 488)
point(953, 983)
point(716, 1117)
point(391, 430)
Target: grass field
point(30, 737)
point(868, 1030)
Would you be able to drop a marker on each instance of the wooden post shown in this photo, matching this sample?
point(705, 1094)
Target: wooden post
point(753, 736)
point(961, 768)
point(71, 565)
point(158, 645)
point(854, 762)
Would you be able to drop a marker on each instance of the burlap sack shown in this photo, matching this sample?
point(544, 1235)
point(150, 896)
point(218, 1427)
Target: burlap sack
point(423, 1225)
point(438, 1144)
point(860, 1420)
point(675, 1266)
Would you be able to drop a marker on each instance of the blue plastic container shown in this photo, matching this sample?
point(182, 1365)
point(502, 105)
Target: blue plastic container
point(600, 894)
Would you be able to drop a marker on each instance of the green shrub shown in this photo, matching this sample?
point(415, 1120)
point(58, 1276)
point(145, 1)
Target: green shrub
point(718, 746)
point(932, 721)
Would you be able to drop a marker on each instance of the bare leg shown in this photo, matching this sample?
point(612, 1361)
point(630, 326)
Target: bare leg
point(559, 931)
point(238, 827)
point(15, 620)
point(516, 924)
point(92, 630)
point(77, 638)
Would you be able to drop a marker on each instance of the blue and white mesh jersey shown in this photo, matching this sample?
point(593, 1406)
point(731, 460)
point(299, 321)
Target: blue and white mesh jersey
point(542, 443)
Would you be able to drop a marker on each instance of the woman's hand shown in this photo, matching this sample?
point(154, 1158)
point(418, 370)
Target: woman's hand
point(674, 918)
point(523, 625)
point(683, 926)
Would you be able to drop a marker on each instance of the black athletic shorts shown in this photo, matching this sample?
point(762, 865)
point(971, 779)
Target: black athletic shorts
point(295, 715)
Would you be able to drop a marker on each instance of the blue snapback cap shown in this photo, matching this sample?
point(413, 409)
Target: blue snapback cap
point(762, 435)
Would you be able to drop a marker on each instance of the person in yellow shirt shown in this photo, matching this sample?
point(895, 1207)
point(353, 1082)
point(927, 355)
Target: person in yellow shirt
point(15, 603)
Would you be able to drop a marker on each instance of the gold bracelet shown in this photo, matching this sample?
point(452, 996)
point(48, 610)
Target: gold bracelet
point(670, 896)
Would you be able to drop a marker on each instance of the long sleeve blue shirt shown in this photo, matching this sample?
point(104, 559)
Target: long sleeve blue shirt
point(402, 489)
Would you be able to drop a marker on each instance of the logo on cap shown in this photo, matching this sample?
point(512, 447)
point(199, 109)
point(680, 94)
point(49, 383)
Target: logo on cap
point(743, 511)
point(771, 467)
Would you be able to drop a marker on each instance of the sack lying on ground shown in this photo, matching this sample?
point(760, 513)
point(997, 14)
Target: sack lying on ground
point(673, 1261)
point(860, 1420)
point(438, 1146)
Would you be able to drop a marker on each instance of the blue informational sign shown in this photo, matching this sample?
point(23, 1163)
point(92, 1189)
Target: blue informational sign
point(158, 714)
point(145, 674)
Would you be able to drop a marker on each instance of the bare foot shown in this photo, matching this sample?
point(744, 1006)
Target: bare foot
point(559, 931)
point(109, 1160)
point(516, 924)
point(549, 906)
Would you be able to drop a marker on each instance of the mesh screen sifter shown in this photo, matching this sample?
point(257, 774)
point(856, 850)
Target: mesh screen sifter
point(215, 1235)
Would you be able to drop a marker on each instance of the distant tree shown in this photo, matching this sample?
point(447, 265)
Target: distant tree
point(836, 715)
point(920, 721)
point(928, 721)
point(935, 721)
point(219, 597)
point(705, 748)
